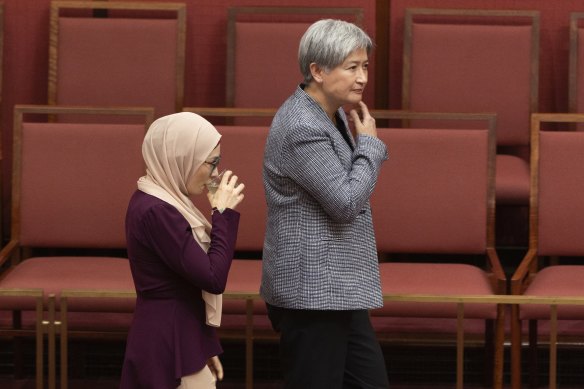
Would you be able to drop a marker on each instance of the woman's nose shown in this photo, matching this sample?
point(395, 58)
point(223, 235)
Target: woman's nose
point(362, 76)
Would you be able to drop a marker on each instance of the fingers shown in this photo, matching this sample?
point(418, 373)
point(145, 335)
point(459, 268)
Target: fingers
point(216, 367)
point(229, 194)
point(364, 111)
point(365, 115)
point(355, 116)
point(231, 181)
point(364, 123)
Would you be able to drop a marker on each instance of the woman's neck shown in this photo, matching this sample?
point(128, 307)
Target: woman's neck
point(318, 95)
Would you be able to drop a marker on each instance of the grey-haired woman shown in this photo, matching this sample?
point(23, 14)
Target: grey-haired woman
point(320, 270)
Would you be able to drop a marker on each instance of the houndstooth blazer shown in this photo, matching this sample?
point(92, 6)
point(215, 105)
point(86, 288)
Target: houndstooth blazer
point(319, 249)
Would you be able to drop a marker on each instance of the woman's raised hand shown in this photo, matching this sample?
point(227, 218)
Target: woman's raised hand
point(229, 193)
point(364, 124)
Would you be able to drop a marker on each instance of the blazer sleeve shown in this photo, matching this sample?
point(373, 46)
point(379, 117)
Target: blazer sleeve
point(170, 235)
point(311, 160)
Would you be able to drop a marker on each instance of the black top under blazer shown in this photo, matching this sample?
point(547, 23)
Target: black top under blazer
point(319, 250)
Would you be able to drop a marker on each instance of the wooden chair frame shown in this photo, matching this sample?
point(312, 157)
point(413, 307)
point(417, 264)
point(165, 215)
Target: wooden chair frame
point(41, 326)
point(499, 279)
point(480, 16)
point(528, 267)
point(63, 325)
point(573, 74)
point(234, 12)
point(57, 6)
point(501, 301)
point(19, 112)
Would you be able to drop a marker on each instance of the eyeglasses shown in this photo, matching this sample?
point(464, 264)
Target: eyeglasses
point(214, 163)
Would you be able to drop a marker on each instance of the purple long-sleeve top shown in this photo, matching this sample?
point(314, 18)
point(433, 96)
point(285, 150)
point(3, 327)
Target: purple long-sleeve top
point(169, 338)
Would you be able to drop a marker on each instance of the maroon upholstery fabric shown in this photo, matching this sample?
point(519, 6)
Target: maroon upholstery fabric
point(242, 150)
point(244, 277)
point(53, 274)
point(469, 68)
point(434, 279)
point(117, 62)
point(562, 280)
point(262, 78)
point(75, 184)
point(28, 319)
point(77, 180)
point(512, 179)
point(561, 184)
point(478, 68)
point(431, 197)
point(431, 194)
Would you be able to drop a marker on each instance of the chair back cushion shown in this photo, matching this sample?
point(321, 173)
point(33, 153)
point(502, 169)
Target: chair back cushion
point(561, 185)
point(76, 181)
point(242, 151)
point(117, 62)
point(474, 68)
point(262, 78)
point(432, 192)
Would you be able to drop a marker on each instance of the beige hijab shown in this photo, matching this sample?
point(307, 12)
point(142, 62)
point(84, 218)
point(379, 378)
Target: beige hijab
point(174, 148)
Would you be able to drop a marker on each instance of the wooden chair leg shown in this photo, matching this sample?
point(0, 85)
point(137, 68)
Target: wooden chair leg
point(533, 362)
point(249, 345)
point(489, 358)
point(64, 345)
point(460, 346)
point(499, 357)
point(18, 346)
point(39, 340)
point(51, 341)
point(516, 347)
point(553, 347)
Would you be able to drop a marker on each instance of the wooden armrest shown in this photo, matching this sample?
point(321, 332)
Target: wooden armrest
point(7, 251)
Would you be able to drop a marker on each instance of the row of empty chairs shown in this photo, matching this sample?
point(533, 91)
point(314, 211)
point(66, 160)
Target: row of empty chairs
point(510, 47)
point(434, 197)
point(454, 61)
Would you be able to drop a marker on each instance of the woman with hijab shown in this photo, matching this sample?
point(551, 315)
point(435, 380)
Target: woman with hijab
point(179, 260)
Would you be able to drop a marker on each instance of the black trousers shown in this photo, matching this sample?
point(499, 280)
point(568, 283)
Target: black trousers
point(328, 349)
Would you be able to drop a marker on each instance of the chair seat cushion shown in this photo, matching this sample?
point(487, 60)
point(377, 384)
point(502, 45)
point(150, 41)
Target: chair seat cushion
point(244, 277)
point(555, 281)
point(512, 180)
point(434, 279)
point(54, 274)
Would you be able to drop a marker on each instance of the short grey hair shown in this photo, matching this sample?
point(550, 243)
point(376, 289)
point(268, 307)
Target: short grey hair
point(328, 43)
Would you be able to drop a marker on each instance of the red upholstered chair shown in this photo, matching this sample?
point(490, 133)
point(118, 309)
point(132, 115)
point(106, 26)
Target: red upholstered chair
point(257, 77)
point(435, 199)
point(478, 61)
point(117, 54)
point(71, 185)
point(550, 267)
